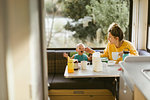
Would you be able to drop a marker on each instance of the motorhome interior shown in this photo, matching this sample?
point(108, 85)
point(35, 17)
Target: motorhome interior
point(33, 39)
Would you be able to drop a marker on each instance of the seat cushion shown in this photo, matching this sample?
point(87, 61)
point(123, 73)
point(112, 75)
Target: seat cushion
point(59, 82)
point(143, 52)
point(50, 79)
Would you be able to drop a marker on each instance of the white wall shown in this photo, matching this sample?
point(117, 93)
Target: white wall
point(18, 51)
point(22, 51)
point(38, 51)
point(139, 23)
point(135, 22)
point(143, 14)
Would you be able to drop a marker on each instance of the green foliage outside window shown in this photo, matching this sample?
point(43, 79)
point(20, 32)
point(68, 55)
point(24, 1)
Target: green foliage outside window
point(103, 13)
point(50, 7)
point(75, 9)
point(106, 12)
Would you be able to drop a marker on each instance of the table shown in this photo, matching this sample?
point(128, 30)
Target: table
point(108, 71)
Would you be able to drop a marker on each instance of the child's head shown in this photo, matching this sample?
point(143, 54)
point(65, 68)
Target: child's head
point(80, 48)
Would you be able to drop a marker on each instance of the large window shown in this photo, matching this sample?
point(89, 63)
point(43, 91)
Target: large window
point(69, 22)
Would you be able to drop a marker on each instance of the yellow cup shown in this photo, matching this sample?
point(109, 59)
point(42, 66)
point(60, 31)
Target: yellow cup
point(70, 65)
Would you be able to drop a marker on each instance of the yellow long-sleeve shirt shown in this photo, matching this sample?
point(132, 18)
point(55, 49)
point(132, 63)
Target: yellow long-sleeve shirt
point(112, 48)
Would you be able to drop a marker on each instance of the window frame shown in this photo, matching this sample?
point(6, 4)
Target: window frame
point(148, 25)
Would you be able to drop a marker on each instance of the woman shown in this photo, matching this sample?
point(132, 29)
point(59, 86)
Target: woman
point(116, 44)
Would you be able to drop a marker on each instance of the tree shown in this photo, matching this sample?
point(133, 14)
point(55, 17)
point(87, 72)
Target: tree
point(75, 9)
point(83, 33)
point(106, 12)
point(103, 12)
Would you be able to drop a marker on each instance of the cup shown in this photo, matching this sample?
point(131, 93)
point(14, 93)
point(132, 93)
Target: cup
point(83, 64)
point(76, 64)
point(115, 55)
point(70, 66)
point(104, 66)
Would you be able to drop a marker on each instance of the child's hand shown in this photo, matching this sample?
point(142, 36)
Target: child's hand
point(65, 55)
point(90, 57)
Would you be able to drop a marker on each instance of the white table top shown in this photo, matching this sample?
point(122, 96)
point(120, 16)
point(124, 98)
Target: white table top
point(108, 71)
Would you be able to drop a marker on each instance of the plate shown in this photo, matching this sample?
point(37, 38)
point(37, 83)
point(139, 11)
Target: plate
point(111, 62)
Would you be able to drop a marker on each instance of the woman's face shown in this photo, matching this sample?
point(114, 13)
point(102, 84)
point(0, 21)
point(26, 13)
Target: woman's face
point(112, 39)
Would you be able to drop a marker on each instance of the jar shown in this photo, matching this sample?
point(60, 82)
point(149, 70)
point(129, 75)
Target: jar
point(76, 67)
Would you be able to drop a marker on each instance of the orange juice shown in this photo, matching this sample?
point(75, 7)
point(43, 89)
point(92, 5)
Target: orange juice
point(70, 66)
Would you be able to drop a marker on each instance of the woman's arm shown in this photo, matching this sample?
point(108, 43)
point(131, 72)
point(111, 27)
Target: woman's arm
point(89, 50)
point(132, 50)
point(105, 54)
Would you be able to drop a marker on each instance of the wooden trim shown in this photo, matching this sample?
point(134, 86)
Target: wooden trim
point(103, 92)
point(130, 20)
point(3, 45)
point(43, 50)
point(138, 94)
point(148, 25)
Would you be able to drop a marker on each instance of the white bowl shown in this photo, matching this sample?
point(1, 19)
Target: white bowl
point(111, 62)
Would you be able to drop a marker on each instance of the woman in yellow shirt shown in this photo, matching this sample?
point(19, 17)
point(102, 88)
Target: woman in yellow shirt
point(116, 43)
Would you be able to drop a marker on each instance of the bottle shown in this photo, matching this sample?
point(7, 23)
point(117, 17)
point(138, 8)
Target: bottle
point(70, 65)
point(96, 62)
point(125, 53)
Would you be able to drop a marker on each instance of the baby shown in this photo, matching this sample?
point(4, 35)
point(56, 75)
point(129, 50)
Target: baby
point(80, 48)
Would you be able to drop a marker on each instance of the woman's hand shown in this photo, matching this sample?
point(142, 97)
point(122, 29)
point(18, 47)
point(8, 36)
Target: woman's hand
point(89, 50)
point(121, 54)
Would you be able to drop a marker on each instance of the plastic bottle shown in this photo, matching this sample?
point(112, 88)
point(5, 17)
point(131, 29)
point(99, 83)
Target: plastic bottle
point(125, 53)
point(70, 65)
point(96, 62)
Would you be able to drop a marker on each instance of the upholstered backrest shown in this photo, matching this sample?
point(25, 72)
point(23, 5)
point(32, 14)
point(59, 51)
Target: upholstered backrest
point(56, 62)
point(51, 62)
point(61, 62)
point(143, 52)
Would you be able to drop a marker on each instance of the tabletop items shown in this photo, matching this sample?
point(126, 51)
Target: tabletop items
point(108, 71)
point(70, 65)
point(83, 64)
point(96, 62)
point(85, 70)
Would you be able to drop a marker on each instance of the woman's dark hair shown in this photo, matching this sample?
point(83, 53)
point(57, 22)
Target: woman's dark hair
point(116, 31)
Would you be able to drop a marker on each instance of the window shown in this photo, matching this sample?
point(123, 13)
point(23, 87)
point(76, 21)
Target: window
point(148, 44)
point(69, 22)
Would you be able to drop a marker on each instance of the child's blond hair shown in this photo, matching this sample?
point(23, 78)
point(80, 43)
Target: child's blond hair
point(79, 45)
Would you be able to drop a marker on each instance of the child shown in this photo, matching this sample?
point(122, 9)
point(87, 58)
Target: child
point(80, 48)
